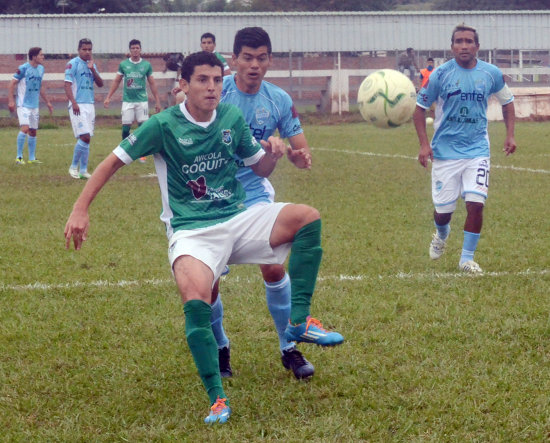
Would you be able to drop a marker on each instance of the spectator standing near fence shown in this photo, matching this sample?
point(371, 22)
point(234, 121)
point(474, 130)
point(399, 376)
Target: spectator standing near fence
point(28, 79)
point(406, 61)
point(425, 72)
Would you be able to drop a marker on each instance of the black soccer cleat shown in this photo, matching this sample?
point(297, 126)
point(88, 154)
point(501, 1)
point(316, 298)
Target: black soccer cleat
point(224, 361)
point(293, 359)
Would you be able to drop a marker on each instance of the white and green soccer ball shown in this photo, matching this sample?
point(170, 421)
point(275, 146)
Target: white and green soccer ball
point(386, 98)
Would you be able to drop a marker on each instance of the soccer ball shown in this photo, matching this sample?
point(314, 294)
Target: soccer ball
point(386, 98)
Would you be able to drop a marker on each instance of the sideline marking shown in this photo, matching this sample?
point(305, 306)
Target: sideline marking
point(408, 157)
point(37, 286)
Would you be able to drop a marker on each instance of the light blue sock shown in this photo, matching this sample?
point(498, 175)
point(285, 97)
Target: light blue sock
point(20, 143)
point(443, 231)
point(85, 148)
point(77, 153)
point(277, 296)
point(469, 246)
point(32, 147)
point(216, 320)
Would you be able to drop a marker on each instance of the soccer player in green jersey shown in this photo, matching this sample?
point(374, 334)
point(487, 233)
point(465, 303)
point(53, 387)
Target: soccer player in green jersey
point(208, 44)
point(207, 223)
point(135, 102)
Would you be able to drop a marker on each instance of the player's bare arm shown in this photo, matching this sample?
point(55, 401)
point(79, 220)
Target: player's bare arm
point(425, 153)
point(46, 100)
point(70, 97)
point(114, 87)
point(97, 78)
point(79, 221)
point(11, 90)
point(275, 148)
point(509, 116)
point(155, 92)
point(299, 154)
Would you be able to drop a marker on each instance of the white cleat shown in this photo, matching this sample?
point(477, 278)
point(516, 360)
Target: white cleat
point(470, 267)
point(73, 172)
point(84, 175)
point(437, 246)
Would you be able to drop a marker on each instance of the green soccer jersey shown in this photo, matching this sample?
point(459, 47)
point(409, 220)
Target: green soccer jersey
point(222, 59)
point(135, 79)
point(195, 166)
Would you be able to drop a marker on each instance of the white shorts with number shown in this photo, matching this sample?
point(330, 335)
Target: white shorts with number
point(134, 111)
point(28, 117)
point(466, 178)
point(85, 121)
point(240, 240)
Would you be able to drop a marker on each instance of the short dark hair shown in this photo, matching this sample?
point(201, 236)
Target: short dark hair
point(209, 35)
point(410, 49)
point(84, 41)
point(34, 51)
point(464, 27)
point(133, 42)
point(198, 59)
point(253, 37)
point(430, 59)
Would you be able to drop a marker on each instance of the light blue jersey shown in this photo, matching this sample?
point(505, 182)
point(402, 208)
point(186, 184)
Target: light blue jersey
point(82, 79)
point(266, 111)
point(30, 82)
point(461, 113)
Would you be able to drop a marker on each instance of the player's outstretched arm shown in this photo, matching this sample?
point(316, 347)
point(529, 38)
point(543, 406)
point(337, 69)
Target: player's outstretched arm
point(274, 149)
point(509, 116)
point(79, 221)
point(299, 154)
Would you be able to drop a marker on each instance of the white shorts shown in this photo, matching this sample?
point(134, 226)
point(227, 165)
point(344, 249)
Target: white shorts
point(134, 111)
point(244, 239)
point(466, 178)
point(28, 117)
point(85, 121)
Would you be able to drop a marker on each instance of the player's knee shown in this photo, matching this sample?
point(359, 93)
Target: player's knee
point(309, 214)
point(474, 207)
point(272, 273)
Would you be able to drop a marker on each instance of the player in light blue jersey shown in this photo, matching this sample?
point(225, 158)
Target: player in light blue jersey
point(460, 146)
point(80, 75)
point(266, 108)
point(28, 79)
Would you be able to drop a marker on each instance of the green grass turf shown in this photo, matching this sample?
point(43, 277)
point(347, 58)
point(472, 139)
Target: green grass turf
point(92, 344)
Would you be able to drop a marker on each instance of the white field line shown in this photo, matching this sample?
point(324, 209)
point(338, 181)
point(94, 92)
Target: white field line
point(37, 286)
point(408, 157)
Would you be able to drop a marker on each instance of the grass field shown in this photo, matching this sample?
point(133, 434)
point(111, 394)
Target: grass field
point(92, 344)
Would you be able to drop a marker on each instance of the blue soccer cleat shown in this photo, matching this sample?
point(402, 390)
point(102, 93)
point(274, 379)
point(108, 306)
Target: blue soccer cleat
point(312, 331)
point(219, 412)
